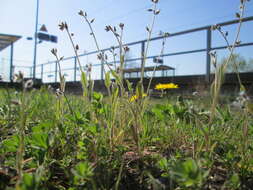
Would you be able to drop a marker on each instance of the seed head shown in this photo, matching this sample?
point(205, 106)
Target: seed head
point(61, 26)
point(58, 93)
point(92, 20)
point(238, 42)
point(238, 15)
point(28, 84)
point(155, 1)
point(19, 77)
point(126, 48)
point(166, 34)
point(156, 12)
point(121, 25)
point(54, 51)
point(216, 27)
point(81, 13)
point(100, 56)
point(108, 28)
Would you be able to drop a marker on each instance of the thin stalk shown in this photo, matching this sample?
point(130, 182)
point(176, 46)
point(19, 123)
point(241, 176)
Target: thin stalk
point(148, 42)
point(21, 130)
point(234, 63)
point(161, 54)
point(95, 40)
point(119, 176)
point(217, 90)
point(75, 50)
point(122, 57)
point(114, 102)
point(62, 86)
point(114, 59)
point(9, 104)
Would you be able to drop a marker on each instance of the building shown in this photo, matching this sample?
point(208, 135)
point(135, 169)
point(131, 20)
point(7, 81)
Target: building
point(6, 56)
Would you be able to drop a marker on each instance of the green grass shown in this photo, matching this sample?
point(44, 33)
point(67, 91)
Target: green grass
point(50, 140)
point(75, 143)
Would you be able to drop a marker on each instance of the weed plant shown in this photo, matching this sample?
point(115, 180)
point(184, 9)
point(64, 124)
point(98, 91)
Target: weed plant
point(127, 139)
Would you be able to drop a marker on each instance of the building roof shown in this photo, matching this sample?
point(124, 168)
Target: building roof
point(6, 40)
point(158, 68)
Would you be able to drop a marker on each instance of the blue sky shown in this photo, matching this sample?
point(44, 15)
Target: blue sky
point(18, 17)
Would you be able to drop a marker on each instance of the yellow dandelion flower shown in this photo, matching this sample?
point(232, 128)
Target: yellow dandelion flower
point(135, 97)
point(166, 86)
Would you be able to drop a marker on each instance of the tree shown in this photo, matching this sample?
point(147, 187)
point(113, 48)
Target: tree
point(238, 63)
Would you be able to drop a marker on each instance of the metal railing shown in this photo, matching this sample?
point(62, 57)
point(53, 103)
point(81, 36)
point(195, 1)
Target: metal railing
point(208, 48)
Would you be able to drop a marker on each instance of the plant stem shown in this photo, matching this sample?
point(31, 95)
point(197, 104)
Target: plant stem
point(217, 81)
point(148, 42)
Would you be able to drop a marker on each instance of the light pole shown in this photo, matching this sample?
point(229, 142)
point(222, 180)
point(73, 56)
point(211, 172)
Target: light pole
point(35, 40)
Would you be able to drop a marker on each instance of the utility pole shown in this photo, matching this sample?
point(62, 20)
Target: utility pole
point(35, 40)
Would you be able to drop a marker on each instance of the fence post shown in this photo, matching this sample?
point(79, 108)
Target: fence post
point(208, 56)
point(55, 80)
point(102, 68)
point(31, 72)
point(142, 52)
point(75, 69)
point(11, 63)
point(42, 67)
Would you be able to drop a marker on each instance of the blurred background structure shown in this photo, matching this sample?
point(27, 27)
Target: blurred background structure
point(186, 50)
point(7, 55)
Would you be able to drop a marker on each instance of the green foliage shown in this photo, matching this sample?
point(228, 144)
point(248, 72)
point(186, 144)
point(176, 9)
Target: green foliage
point(29, 182)
point(233, 182)
point(10, 144)
point(96, 146)
point(108, 80)
point(82, 173)
point(84, 84)
point(188, 173)
point(182, 110)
